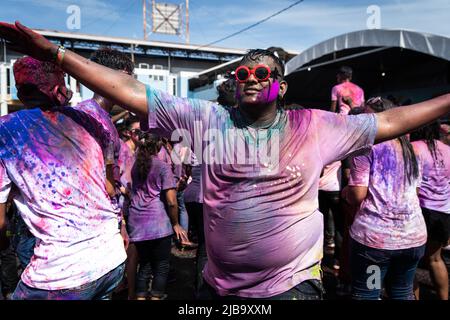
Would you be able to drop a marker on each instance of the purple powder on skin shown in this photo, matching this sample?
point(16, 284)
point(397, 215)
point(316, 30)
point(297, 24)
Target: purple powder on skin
point(270, 94)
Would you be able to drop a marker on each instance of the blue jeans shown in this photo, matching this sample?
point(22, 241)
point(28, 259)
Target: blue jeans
point(100, 289)
point(372, 267)
point(182, 212)
point(24, 245)
point(154, 258)
point(23, 241)
point(307, 290)
point(195, 211)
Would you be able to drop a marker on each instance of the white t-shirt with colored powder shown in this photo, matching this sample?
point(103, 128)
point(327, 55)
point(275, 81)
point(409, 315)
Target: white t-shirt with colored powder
point(58, 167)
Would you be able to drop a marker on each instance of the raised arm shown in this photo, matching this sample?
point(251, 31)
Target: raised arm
point(398, 121)
point(114, 85)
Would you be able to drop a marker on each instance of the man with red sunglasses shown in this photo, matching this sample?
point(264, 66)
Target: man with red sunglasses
point(263, 230)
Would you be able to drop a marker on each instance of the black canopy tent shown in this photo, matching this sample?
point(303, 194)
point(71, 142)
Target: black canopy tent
point(405, 64)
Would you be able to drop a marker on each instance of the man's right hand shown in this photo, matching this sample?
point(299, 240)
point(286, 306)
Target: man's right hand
point(22, 39)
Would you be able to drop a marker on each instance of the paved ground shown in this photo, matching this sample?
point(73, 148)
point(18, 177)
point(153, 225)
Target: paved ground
point(181, 284)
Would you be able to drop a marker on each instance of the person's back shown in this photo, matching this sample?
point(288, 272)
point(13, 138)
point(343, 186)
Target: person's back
point(59, 169)
point(346, 95)
point(153, 218)
point(390, 216)
point(434, 191)
point(148, 218)
point(434, 196)
point(343, 92)
point(55, 157)
point(388, 232)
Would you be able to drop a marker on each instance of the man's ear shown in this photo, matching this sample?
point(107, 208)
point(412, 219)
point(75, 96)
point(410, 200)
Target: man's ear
point(61, 95)
point(283, 88)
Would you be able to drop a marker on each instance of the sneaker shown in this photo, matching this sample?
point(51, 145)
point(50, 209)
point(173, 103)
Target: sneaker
point(187, 245)
point(162, 297)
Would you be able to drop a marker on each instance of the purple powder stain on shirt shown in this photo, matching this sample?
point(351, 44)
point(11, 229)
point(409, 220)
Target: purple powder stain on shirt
point(56, 206)
point(389, 163)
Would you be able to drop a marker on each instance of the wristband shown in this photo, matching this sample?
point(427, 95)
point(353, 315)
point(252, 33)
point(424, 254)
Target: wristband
point(59, 56)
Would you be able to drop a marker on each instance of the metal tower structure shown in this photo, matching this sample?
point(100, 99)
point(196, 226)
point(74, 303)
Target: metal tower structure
point(166, 18)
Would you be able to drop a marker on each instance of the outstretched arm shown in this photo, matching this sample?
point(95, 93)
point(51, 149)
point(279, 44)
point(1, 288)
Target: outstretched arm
point(398, 121)
point(114, 85)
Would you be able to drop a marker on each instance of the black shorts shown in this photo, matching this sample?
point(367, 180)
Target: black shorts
point(438, 225)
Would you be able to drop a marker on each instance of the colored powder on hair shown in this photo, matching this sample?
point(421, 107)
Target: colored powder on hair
point(44, 75)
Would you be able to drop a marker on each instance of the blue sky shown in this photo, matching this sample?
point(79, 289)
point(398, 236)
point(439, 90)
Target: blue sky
point(297, 29)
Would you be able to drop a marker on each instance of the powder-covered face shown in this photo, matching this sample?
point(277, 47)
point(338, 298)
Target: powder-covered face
point(254, 92)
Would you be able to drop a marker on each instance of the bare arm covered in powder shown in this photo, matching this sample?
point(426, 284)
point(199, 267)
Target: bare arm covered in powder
point(117, 86)
point(399, 121)
point(130, 93)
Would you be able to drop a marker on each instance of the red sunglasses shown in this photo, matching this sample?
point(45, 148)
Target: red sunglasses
point(260, 71)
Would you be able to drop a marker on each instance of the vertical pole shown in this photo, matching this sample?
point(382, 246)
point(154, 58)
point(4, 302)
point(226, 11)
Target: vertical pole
point(153, 14)
point(187, 21)
point(132, 52)
point(144, 18)
point(4, 51)
point(169, 62)
point(3, 90)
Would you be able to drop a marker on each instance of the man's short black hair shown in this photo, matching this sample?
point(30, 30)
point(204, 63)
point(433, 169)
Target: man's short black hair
point(113, 59)
point(345, 72)
point(256, 54)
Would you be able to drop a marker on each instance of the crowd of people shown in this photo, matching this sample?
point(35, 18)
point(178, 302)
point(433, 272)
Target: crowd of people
point(90, 203)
